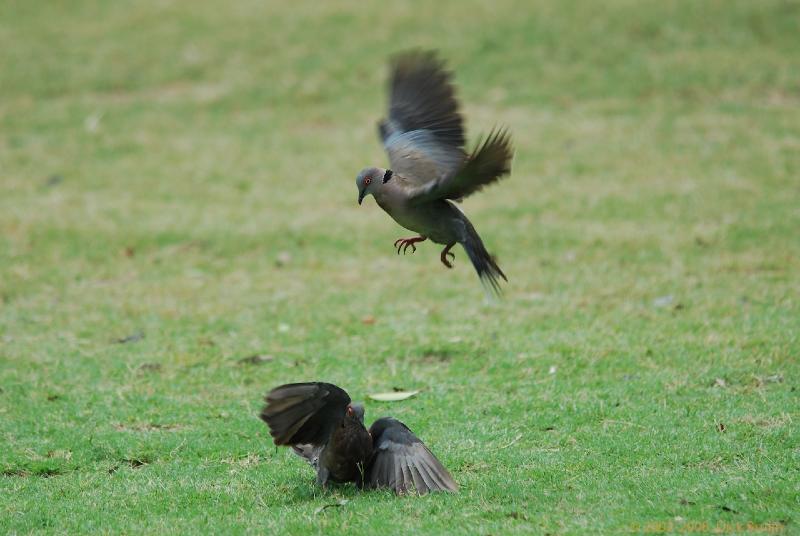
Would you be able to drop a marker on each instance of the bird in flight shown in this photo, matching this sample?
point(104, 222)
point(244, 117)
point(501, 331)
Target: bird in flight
point(423, 135)
point(319, 422)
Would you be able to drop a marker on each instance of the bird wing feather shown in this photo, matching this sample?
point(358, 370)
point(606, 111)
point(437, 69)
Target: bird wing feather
point(402, 462)
point(423, 134)
point(488, 163)
point(304, 413)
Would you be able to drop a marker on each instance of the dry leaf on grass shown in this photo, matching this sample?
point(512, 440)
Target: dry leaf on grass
point(394, 396)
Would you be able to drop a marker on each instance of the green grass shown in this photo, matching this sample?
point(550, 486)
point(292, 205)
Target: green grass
point(185, 170)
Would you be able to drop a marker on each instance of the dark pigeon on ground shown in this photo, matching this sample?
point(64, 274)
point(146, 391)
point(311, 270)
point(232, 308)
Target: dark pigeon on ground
point(319, 422)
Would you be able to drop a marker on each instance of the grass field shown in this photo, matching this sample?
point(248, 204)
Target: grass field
point(180, 176)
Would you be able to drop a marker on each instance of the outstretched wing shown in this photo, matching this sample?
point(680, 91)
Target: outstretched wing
point(304, 413)
point(402, 462)
point(423, 134)
point(489, 162)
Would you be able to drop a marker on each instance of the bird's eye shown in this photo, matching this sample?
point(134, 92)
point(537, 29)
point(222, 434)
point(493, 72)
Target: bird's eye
point(350, 410)
point(367, 180)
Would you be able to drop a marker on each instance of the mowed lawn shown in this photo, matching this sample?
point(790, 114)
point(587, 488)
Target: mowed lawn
point(177, 195)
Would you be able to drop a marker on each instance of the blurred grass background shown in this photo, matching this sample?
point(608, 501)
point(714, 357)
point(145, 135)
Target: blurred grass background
point(182, 174)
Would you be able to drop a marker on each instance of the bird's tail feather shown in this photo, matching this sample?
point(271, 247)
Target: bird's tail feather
point(487, 268)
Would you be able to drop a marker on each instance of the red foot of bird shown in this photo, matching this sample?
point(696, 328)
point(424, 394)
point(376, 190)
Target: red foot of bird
point(404, 243)
point(445, 254)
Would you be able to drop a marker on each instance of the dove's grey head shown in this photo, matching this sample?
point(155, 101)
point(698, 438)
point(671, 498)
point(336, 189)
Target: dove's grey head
point(370, 180)
point(356, 411)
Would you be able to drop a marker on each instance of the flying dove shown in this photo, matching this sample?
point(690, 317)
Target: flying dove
point(424, 138)
point(321, 425)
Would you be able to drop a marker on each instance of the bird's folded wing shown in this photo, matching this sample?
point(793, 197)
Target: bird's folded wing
point(489, 162)
point(423, 134)
point(310, 453)
point(304, 412)
point(401, 461)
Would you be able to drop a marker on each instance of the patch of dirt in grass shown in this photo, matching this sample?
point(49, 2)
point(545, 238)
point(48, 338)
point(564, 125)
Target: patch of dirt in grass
point(134, 463)
point(255, 359)
point(246, 461)
point(771, 421)
point(133, 337)
point(43, 472)
point(147, 427)
point(149, 367)
point(435, 356)
point(15, 472)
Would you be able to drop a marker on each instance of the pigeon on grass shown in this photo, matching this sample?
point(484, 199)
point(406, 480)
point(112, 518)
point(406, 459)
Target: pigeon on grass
point(319, 423)
point(424, 138)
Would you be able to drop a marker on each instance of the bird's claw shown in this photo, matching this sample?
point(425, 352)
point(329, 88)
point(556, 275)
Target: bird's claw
point(405, 243)
point(445, 254)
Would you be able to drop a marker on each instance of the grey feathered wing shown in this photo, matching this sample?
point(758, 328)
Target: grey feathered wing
point(423, 133)
point(488, 163)
point(401, 461)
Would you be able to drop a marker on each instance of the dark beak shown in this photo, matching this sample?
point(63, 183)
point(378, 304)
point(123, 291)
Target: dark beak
point(361, 195)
